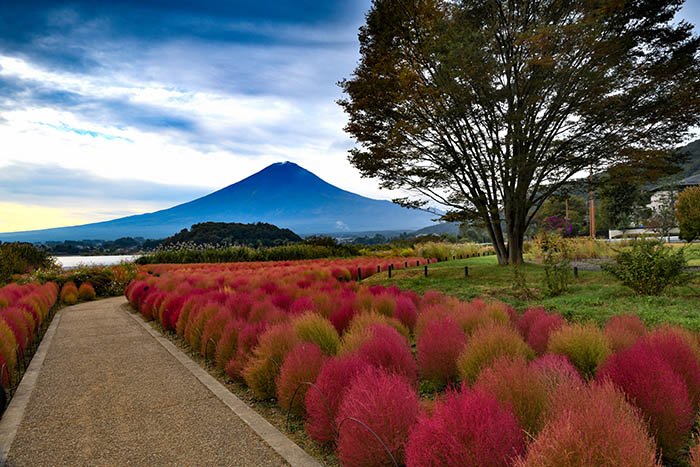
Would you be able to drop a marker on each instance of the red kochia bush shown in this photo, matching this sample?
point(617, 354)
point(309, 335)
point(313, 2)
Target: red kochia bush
point(406, 311)
point(673, 347)
point(468, 428)
point(651, 384)
point(592, 427)
point(389, 350)
point(541, 329)
point(388, 405)
point(323, 399)
point(623, 331)
point(438, 349)
point(300, 366)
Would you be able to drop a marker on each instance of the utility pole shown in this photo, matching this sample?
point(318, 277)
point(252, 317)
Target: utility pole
point(591, 206)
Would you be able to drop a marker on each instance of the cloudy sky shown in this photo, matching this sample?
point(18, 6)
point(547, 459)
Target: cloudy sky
point(120, 107)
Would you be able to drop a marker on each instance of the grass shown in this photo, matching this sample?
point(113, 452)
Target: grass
point(594, 296)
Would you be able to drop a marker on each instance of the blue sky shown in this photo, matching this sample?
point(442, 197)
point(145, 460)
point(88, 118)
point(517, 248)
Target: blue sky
point(113, 108)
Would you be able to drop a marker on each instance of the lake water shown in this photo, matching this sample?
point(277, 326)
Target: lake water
point(69, 262)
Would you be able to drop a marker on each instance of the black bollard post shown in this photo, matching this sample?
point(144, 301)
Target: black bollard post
point(390, 268)
point(417, 262)
point(466, 271)
point(379, 269)
point(359, 274)
point(576, 272)
point(425, 271)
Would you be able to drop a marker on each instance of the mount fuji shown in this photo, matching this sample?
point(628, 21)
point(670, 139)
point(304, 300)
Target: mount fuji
point(283, 194)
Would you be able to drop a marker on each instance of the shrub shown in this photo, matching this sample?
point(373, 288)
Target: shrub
point(69, 294)
point(585, 346)
point(211, 332)
point(526, 320)
point(385, 305)
point(557, 267)
point(519, 387)
point(248, 338)
point(323, 399)
point(593, 427)
point(314, 328)
point(438, 349)
point(672, 346)
point(651, 384)
point(486, 345)
point(649, 267)
point(227, 344)
point(695, 455)
point(688, 213)
point(477, 314)
point(342, 317)
point(556, 372)
point(388, 350)
point(364, 320)
point(406, 312)
point(301, 365)
point(623, 331)
point(8, 346)
point(388, 405)
point(541, 329)
point(261, 371)
point(429, 314)
point(468, 428)
point(86, 292)
point(22, 258)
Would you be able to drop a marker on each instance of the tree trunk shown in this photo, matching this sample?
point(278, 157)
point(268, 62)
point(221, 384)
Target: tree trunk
point(492, 220)
point(516, 239)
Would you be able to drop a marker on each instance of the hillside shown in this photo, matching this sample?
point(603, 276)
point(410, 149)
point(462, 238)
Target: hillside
point(692, 165)
point(233, 233)
point(283, 194)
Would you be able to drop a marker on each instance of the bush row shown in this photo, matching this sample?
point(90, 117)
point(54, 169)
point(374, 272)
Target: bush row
point(23, 311)
point(498, 388)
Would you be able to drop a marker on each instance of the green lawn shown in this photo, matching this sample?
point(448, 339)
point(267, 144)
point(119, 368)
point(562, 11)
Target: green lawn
point(593, 296)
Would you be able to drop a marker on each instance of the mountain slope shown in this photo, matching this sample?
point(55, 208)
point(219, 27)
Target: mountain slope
point(282, 194)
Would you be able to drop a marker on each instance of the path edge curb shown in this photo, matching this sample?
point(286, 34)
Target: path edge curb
point(278, 441)
point(14, 413)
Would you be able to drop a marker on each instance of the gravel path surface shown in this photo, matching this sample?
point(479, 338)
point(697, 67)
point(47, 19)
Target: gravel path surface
point(109, 394)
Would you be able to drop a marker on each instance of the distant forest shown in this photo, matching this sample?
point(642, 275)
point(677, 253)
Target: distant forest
point(224, 233)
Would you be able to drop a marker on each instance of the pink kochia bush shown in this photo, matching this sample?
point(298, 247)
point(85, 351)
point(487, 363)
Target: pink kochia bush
point(389, 350)
point(536, 325)
point(467, 428)
point(300, 368)
point(375, 416)
point(650, 384)
point(323, 399)
point(674, 347)
point(592, 427)
point(438, 350)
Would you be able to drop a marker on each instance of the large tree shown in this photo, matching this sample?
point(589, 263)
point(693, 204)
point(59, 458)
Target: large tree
point(489, 106)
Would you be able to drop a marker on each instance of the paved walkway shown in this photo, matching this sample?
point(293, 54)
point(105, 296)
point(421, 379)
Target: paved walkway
point(109, 393)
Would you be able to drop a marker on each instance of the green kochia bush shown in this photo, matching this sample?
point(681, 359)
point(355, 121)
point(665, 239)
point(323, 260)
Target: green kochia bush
point(584, 344)
point(649, 267)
